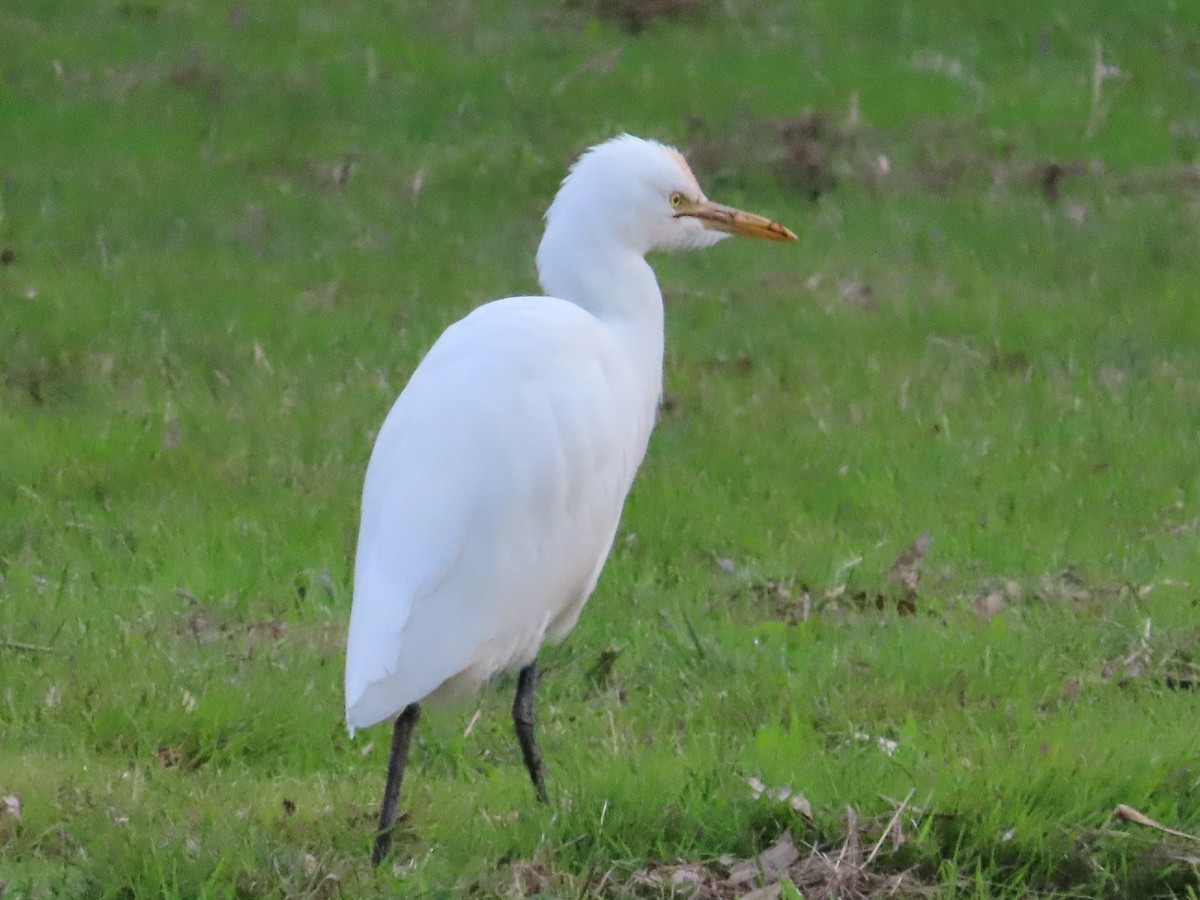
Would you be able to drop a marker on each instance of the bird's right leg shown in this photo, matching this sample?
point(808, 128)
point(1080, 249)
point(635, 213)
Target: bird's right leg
point(523, 719)
point(397, 759)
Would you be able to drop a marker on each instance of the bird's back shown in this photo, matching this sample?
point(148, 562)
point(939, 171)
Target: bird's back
point(491, 500)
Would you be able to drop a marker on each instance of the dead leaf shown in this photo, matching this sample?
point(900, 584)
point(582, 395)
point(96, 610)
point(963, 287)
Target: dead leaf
point(687, 875)
point(10, 807)
point(768, 865)
point(200, 621)
point(994, 594)
point(906, 574)
point(906, 570)
point(531, 879)
point(989, 605)
point(1066, 585)
point(1129, 814)
point(795, 799)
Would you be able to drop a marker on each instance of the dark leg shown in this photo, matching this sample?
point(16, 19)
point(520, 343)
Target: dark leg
point(527, 683)
point(401, 736)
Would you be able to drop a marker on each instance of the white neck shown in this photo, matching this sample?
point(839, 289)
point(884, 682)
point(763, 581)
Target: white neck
point(615, 284)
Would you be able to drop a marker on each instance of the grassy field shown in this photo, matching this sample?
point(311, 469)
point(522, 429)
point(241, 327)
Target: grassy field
point(228, 232)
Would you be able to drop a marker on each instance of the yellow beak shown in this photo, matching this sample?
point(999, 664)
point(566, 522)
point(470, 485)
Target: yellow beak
point(716, 217)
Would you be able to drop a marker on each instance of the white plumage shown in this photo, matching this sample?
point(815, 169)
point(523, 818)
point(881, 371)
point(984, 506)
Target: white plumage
point(497, 480)
point(491, 500)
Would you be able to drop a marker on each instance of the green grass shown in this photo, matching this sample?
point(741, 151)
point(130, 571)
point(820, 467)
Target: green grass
point(201, 326)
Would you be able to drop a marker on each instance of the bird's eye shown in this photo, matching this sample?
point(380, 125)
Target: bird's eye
point(676, 200)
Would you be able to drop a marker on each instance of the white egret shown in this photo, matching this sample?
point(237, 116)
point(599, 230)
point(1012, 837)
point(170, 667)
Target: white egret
point(497, 480)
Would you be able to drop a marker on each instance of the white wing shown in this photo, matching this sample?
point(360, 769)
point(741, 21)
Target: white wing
point(491, 501)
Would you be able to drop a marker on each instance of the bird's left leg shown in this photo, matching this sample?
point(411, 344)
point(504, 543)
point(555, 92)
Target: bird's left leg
point(523, 718)
point(397, 760)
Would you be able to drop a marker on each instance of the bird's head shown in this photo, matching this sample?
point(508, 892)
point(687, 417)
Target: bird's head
point(643, 194)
